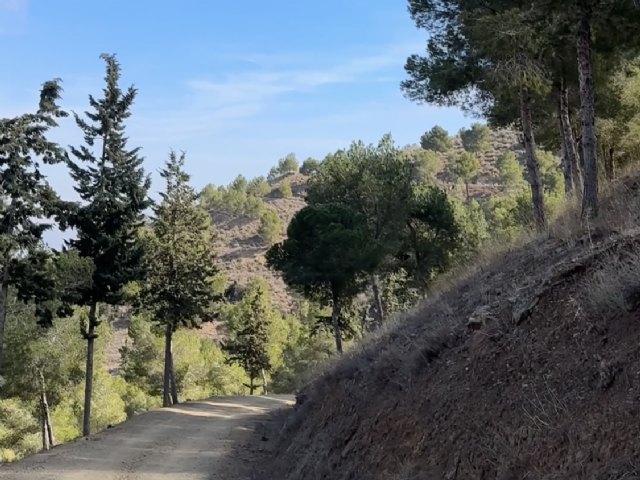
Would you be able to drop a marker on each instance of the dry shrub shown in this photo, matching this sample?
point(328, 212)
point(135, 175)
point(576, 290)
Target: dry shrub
point(614, 287)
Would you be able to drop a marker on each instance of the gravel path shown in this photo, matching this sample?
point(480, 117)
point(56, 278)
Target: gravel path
point(216, 439)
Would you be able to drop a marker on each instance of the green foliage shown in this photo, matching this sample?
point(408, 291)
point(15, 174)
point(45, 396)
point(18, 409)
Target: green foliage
point(309, 166)
point(433, 234)
point(285, 190)
point(437, 139)
point(238, 198)
point(113, 187)
point(465, 167)
point(26, 199)
point(270, 226)
point(249, 344)
point(286, 166)
point(303, 350)
point(476, 139)
point(427, 164)
point(550, 173)
point(327, 249)
point(258, 187)
point(19, 429)
point(509, 214)
point(511, 173)
point(201, 369)
point(377, 182)
point(180, 260)
point(474, 230)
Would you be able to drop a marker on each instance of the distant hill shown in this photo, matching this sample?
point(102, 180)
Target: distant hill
point(241, 250)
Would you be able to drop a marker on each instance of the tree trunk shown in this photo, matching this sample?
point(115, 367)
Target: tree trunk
point(588, 116)
point(4, 296)
point(377, 300)
point(88, 385)
point(251, 385)
point(466, 185)
point(174, 387)
point(335, 322)
point(264, 382)
point(610, 163)
point(533, 168)
point(166, 387)
point(43, 424)
point(46, 416)
point(569, 143)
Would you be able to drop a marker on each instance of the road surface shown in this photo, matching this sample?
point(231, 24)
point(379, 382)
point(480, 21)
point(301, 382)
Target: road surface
point(216, 439)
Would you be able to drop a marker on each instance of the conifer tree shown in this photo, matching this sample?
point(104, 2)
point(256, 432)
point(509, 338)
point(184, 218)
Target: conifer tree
point(180, 263)
point(113, 187)
point(25, 196)
point(249, 348)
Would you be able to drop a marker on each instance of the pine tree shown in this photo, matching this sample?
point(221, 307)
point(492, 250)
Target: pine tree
point(25, 196)
point(180, 263)
point(113, 187)
point(249, 348)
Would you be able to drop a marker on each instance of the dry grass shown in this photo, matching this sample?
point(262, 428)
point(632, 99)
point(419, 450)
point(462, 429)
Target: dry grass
point(614, 287)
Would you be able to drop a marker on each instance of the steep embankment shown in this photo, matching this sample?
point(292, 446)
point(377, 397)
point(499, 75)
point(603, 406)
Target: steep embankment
point(527, 368)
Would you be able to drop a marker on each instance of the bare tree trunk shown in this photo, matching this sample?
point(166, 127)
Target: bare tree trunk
point(335, 322)
point(90, 336)
point(377, 300)
point(174, 387)
point(4, 296)
point(569, 142)
point(251, 385)
point(265, 391)
point(166, 387)
point(588, 116)
point(46, 415)
point(466, 185)
point(43, 425)
point(533, 168)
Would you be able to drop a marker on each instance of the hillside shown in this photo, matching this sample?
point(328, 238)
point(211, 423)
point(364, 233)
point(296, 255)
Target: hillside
point(241, 250)
point(526, 367)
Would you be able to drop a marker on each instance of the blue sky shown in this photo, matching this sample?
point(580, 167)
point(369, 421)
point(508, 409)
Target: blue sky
point(237, 85)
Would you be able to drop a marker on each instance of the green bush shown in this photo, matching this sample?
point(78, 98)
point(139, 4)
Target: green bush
point(19, 429)
point(258, 187)
point(309, 166)
point(270, 226)
point(285, 189)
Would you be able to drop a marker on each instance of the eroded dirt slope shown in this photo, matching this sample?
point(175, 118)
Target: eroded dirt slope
point(507, 375)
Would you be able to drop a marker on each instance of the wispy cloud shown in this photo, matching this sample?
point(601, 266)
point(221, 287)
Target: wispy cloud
point(269, 83)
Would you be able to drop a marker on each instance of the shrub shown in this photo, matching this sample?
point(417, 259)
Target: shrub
point(309, 166)
point(614, 287)
point(285, 189)
point(437, 139)
point(270, 226)
point(258, 187)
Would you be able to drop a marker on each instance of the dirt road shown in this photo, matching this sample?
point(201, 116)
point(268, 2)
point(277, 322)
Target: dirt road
point(217, 439)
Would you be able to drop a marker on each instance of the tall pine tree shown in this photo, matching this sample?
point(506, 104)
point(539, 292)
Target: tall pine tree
point(25, 196)
point(113, 187)
point(181, 269)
